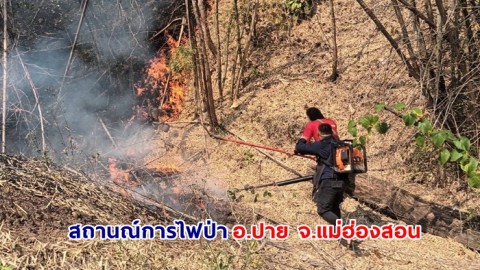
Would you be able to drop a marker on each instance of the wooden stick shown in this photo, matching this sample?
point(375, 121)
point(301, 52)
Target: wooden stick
point(165, 92)
point(69, 61)
point(165, 28)
point(184, 21)
point(108, 132)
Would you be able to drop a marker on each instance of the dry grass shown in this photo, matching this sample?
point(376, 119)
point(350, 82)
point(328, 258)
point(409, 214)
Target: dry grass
point(39, 203)
point(293, 70)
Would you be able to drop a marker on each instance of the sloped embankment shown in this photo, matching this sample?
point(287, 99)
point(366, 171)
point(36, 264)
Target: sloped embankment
point(37, 204)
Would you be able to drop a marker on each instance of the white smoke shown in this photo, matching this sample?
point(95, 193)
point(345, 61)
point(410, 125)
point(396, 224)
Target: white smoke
point(112, 48)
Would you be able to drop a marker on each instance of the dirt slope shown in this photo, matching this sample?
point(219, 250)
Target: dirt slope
point(291, 71)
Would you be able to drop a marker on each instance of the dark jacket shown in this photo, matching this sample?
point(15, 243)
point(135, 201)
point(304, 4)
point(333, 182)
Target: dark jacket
point(322, 150)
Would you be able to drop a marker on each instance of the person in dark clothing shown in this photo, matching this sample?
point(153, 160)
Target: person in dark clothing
point(328, 186)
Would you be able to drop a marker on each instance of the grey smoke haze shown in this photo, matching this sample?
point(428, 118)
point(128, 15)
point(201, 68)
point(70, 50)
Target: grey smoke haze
point(112, 49)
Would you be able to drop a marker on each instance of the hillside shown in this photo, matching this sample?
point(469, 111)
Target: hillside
point(189, 173)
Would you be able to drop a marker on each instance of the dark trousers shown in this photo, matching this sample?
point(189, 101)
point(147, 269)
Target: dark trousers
point(328, 197)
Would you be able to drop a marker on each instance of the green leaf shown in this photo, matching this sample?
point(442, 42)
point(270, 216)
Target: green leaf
point(352, 128)
point(373, 120)
point(418, 112)
point(351, 124)
point(420, 139)
point(450, 135)
point(365, 122)
point(266, 193)
point(354, 142)
point(462, 144)
point(474, 180)
point(438, 138)
point(399, 106)
point(363, 140)
point(470, 166)
point(425, 127)
point(409, 119)
point(444, 156)
point(466, 143)
point(455, 155)
point(458, 144)
point(382, 128)
point(379, 107)
point(353, 132)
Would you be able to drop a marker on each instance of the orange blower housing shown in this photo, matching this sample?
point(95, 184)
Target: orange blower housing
point(349, 158)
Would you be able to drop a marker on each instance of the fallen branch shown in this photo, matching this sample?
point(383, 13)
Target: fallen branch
point(165, 28)
point(108, 132)
point(400, 204)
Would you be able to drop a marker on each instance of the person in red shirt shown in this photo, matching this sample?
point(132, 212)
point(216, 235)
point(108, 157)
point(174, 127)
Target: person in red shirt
point(310, 132)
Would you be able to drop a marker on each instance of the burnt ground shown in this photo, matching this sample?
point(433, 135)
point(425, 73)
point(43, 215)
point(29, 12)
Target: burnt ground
point(39, 201)
point(288, 72)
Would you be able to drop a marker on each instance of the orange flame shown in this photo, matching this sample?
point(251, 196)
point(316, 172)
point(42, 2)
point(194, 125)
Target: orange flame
point(163, 89)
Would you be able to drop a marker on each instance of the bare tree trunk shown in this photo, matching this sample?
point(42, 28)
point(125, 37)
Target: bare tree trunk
point(198, 43)
point(334, 75)
point(246, 51)
point(195, 61)
point(206, 30)
point(205, 66)
point(227, 47)
point(411, 70)
point(219, 53)
point(406, 38)
point(4, 89)
point(238, 53)
point(417, 13)
point(438, 54)
point(472, 49)
point(455, 77)
point(441, 10)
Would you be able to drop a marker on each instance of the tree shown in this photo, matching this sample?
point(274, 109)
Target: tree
point(4, 88)
point(203, 65)
point(445, 61)
point(334, 75)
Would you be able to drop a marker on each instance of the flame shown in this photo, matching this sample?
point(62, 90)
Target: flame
point(120, 176)
point(163, 89)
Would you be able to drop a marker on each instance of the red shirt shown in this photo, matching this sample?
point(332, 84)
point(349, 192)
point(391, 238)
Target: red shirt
point(311, 129)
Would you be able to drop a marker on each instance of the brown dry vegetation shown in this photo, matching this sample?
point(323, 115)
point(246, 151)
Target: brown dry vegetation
point(287, 72)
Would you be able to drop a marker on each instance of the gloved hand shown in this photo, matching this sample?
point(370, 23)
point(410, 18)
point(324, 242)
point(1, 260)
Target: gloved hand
point(301, 141)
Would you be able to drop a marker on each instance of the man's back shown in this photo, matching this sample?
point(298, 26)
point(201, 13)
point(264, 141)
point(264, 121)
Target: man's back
point(323, 150)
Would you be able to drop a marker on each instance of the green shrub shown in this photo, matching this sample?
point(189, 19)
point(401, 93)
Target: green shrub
point(181, 59)
point(299, 9)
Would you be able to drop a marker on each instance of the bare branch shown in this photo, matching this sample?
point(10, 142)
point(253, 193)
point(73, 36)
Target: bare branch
point(37, 100)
